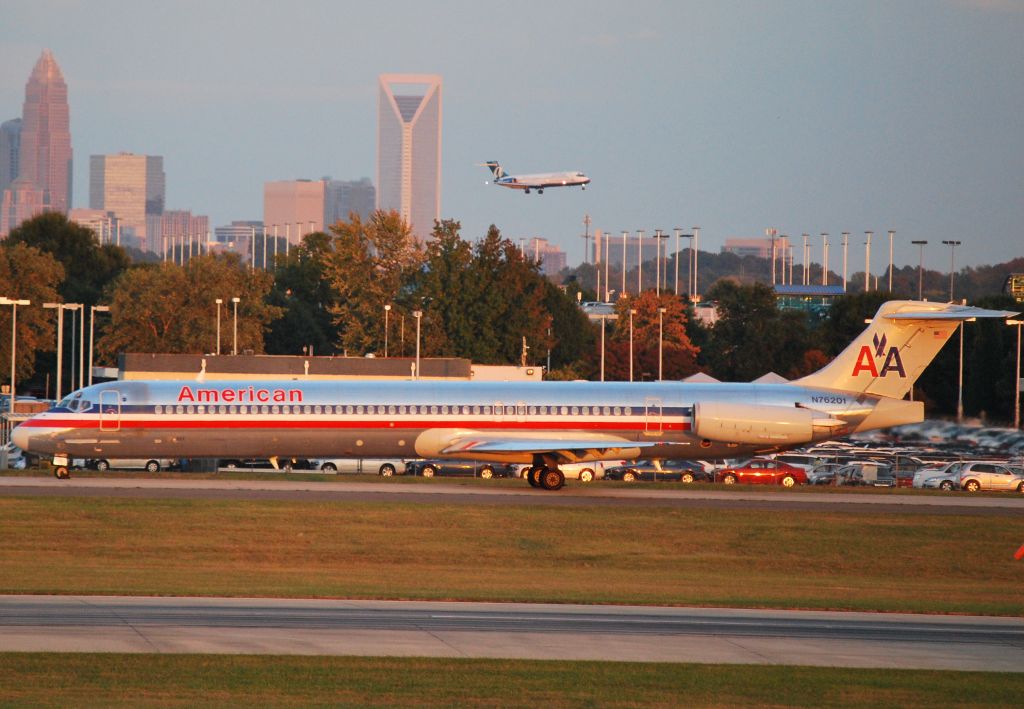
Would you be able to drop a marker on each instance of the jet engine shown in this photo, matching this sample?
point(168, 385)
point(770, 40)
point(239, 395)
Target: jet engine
point(760, 424)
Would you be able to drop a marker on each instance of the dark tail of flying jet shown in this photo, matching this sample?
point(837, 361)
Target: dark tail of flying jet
point(496, 169)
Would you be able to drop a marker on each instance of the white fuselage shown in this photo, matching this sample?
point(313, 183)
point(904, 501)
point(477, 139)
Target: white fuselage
point(541, 180)
point(310, 419)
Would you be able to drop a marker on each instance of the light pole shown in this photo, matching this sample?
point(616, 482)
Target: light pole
point(824, 260)
point(867, 261)
point(81, 349)
point(960, 376)
point(586, 238)
point(632, 312)
point(234, 339)
point(387, 311)
point(696, 250)
point(604, 319)
point(61, 307)
point(1017, 388)
point(93, 309)
point(639, 261)
point(14, 303)
point(658, 235)
point(891, 235)
point(846, 242)
point(675, 286)
point(219, 302)
point(607, 289)
point(771, 235)
point(807, 260)
point(625, 234)
point(418, 314)
point(661, 332)
point(920, 264)
point(952, 263)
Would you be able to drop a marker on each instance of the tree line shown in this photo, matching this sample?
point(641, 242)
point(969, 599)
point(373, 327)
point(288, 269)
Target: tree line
point(353, 289)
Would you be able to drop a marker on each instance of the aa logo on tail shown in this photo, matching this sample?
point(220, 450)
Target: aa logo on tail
point(866, 360)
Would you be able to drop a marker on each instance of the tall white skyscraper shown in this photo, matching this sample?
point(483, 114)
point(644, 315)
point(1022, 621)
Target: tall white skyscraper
point(409, 148)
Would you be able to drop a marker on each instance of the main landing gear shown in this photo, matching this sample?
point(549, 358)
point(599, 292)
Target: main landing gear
point(544, 477)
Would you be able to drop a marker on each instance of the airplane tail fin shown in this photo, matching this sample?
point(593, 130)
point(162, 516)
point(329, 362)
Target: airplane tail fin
point(901, 340)
point(496, 169)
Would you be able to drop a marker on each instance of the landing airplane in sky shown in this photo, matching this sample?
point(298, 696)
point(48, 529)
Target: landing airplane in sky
point(536, 182)
point(544, 424)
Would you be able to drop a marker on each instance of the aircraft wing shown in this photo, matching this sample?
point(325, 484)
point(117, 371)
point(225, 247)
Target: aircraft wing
point(565, 449)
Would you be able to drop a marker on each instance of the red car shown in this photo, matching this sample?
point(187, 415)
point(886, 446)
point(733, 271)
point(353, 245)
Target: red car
point(763, 471)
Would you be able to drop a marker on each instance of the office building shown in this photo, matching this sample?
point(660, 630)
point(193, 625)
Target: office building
point(104, 224)
point(21, 201)
point(10, 145)
point(45, 153)
point(177, 228)
point(409, 148)
point(132, 187)
point(341, 198)
point(294, 208)
point(552, 259)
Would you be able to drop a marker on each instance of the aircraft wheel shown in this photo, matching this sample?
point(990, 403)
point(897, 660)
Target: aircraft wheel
point(533, 476)
point(61, 473)
point(552, 479)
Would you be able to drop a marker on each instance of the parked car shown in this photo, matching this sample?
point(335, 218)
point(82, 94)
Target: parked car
point(465, 468)
point(823, 474)
point(865, 472)
point(684, 471)
point(933, 472)
point(15, 457)
point(762, 471)
point(381, 466)
point(150, 465)
point(285, 464)
point(975, 476)
point(584, 472)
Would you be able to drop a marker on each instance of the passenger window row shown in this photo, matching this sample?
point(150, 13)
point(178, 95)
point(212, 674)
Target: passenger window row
point(393, 410)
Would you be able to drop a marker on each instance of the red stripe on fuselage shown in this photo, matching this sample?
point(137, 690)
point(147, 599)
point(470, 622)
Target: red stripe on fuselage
point(249, 423)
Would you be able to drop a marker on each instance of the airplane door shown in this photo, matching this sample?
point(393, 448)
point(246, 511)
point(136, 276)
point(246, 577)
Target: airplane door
point(652, 416)
point(110, 410)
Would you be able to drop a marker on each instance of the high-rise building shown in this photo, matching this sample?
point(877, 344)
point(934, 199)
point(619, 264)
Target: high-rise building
point(21, 201)
point(45, 157)
point(177, 228)
point(409, 148)
point(132, 187)
point(552, 259)
point(104, 224)
point(10, 145)
point(344, 197)
point(293, 208)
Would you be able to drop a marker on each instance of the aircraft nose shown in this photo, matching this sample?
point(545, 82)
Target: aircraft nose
point(20, 437)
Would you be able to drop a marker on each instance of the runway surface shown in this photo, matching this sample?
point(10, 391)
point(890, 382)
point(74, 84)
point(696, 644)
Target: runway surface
point(563, 632)
point(438, 492)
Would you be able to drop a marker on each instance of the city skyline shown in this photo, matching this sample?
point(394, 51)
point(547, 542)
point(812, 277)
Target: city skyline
point(735, 117)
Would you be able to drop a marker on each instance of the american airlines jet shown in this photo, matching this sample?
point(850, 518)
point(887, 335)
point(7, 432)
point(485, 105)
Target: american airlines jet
point(544, 424)
point(536, 182)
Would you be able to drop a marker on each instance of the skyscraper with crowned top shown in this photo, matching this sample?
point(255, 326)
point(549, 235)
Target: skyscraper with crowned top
point(45, 154)
point(409, 148)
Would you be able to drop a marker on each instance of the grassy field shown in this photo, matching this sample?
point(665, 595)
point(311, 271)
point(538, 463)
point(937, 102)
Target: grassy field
point(101, 680)
point(821, 560)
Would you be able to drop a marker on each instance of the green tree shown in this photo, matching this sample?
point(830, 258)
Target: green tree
point(169, 308)
point(678, 354)
point(26, 273)
point(88, 267)
point(302, 290)
point(752, 336)
point(365, 270)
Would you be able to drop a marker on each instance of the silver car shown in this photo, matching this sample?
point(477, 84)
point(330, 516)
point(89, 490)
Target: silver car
point(989, 476)
point(381, 466)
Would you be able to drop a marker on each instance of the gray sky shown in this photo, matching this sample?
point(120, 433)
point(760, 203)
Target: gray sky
point(812, 116)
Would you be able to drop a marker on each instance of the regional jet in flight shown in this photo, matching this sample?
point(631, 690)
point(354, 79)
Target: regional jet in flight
point(544, 424)
point(536, 182)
